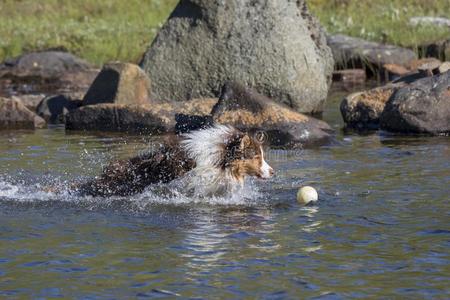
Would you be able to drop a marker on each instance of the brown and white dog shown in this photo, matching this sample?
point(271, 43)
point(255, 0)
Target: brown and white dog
point(216, 158)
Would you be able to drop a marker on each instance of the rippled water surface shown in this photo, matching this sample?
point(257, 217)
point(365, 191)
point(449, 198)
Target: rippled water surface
point(380, 229)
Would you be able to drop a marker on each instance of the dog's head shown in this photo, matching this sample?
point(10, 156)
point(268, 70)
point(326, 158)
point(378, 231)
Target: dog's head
point(244, 156)
point(229, 150)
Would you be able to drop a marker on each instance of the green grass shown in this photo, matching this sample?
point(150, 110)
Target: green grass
point(383, 20)
point(106, 30)
point(97, 30)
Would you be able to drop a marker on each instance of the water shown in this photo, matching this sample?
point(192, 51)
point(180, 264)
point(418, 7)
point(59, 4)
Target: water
point(380, 229)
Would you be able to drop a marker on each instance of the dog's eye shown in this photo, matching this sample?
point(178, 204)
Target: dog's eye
point(255, 157)
point(249, 153)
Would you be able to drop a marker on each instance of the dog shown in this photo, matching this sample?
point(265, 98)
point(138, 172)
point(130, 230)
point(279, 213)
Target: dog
point(217, 157)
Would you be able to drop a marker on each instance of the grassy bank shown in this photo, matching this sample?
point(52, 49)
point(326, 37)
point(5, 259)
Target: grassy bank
point(105, 30)
point(98, 30)
point(383, 20)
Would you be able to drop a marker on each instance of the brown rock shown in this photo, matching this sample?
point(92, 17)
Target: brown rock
point(155, 118)
point(444, 67)
point(430, 68)
point(245, 109)
point(119, 83)
point(117, 117)
point(200, 107)
point(419, 63)
point(14, 115)
point(362, 110)
point(422, 106)
point(395, 69)
point(416, 69)
point(30, 101)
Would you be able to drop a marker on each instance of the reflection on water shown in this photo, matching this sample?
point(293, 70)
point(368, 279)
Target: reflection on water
point(205, 245)
point(379, 230)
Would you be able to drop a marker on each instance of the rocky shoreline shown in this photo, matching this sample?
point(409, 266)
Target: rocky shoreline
point(418, 103)
point(171, 93)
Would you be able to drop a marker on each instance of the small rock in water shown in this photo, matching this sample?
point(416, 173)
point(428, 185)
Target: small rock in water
point(307, 194)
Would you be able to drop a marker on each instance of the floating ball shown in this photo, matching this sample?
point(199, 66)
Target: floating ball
point(306, 195)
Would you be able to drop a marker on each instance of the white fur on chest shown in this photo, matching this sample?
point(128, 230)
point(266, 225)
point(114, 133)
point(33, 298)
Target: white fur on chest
point(206, 146)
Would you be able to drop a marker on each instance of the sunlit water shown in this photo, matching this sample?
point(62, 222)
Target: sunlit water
point(380, 229)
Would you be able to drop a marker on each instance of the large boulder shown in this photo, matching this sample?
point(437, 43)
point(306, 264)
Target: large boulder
point(14, 115)
point(423, 106)
point(119, 83)
point(362, 110)
point(275, 46)
point(154, 118)
point(248, 110)
point(351, 52)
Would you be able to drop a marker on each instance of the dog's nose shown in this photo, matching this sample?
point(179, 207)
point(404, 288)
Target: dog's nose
point(266, 170)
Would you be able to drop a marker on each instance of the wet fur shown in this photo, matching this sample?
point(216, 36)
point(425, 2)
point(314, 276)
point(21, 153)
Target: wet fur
point(232, 153)
point(132, 176)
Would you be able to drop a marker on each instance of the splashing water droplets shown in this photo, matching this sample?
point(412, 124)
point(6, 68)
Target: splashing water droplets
point(177, 193)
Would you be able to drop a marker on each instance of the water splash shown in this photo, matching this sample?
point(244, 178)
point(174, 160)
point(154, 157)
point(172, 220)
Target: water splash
point(177, 193)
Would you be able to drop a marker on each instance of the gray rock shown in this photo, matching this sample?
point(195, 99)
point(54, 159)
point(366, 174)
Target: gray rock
point(247, 110)
point(409, 78)
point(119, 83)
point(444, 67)
point(31, 101)
point(350, 52)
point(45, 64)
point(275, 46)
point(46, 72)
point(431, 68)
point(116, 117)
point(155, 118)
point(14, 115)
point(423, 106)
point(362, 110)
point(427, 21)
point(54, 108)
point(394, 72)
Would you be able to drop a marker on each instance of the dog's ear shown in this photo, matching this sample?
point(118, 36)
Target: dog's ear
point(245, 142)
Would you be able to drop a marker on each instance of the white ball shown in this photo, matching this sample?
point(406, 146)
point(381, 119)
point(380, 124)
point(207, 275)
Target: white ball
point(306, 195)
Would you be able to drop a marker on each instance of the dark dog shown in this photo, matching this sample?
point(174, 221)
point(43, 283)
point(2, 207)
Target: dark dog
point(219, 153)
